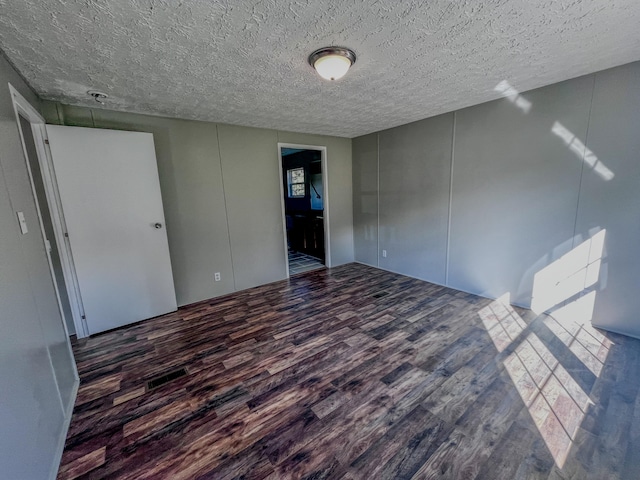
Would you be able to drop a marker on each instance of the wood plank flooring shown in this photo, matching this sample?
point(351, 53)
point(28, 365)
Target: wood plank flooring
point(356, 373)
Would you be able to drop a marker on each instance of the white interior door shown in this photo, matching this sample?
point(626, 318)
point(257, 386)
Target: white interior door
point(110, 195)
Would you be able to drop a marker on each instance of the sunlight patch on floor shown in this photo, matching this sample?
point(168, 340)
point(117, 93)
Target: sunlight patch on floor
point(502, 322)
point(555, 400)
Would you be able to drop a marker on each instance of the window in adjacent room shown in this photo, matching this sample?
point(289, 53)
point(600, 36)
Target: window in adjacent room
point(295, 177)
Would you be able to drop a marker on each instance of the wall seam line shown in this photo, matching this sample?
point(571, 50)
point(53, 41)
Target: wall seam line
point(448, 250)
point(584, 152)
point(59, 114)
point(378, 198)
point(226, 211)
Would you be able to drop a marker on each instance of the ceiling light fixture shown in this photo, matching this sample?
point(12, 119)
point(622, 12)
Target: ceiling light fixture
point(332, 63)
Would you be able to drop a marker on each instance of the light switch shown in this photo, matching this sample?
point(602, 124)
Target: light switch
point(22, 222)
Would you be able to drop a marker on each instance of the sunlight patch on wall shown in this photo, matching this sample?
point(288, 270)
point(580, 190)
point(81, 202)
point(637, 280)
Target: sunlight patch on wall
point(510, 93)
point(574, 144)
point(571, 274)
point(581, 151)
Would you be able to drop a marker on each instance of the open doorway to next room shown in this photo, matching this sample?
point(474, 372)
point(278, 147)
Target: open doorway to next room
point(303, 208)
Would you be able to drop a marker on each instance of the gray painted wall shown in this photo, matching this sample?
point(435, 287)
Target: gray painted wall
point(414, 197)
point(252, 189)
point(365, 198)
point(221, 194)
point(37, 373)
point(531, 180)
point(515, 189)
point(614, 205)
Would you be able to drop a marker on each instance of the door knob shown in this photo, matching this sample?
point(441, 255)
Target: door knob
point(158, 225)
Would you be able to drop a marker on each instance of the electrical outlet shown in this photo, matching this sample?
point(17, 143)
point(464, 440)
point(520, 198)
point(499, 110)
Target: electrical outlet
point(217, 276)
point(384, 254)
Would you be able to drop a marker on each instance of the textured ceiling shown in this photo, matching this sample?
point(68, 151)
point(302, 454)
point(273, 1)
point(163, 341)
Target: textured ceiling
point(245, 62)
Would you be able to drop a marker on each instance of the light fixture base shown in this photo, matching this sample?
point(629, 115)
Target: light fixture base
point(331, 54)
point(323, 52)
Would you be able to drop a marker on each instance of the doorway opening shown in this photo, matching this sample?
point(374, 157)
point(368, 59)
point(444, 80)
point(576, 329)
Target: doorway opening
point(304, 206)
point(33, 135)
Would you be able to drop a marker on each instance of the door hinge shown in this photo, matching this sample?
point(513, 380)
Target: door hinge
point(46, 141)
point(84, 317)
point(66, 234)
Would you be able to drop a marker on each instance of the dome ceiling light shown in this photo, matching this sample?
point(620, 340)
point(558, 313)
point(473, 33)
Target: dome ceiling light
point(332, 63)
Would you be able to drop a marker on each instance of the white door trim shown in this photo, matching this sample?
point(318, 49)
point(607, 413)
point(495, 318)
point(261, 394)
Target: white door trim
point(325, 191)
point(23, 107)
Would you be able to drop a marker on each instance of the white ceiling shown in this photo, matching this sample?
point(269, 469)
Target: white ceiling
point(245, 62)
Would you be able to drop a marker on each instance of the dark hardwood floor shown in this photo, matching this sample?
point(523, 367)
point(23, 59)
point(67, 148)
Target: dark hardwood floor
point(356, 373)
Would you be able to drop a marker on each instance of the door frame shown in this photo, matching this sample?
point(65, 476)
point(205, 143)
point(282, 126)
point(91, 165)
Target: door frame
point(325, 200)
point(22, 107)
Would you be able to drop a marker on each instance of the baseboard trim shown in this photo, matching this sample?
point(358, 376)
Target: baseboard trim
point(515, 304)
point(527, 307)
point(368, 264)
point(616, 331)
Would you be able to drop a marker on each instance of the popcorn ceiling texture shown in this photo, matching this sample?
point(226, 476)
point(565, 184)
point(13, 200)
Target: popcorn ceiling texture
point(245, 62)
